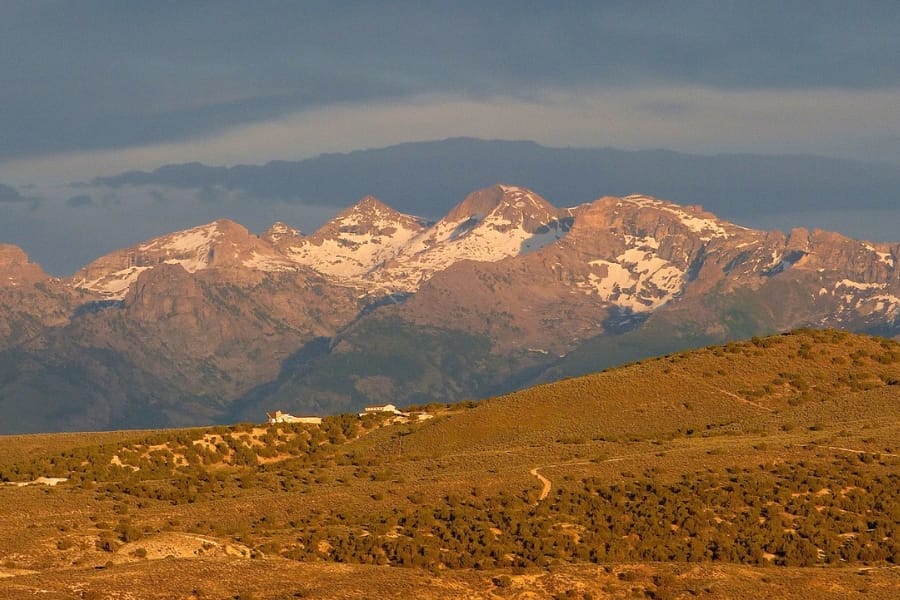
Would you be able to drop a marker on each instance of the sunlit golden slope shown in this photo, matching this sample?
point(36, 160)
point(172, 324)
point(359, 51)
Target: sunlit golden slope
point(799, 378)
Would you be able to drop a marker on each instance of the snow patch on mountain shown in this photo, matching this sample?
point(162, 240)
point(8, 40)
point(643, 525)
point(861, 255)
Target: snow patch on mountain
point(707, 228)
point(111, 276)
point(221, 243)
point(192, 248)
point(520, 222)
point(279, 231)
point(857, 285)
point(113, 285)
point(638, 279)
point(268, 263)
point(357, 241)
point(885, 257)
point(543, 237)
point(868, 299)
point(888, 304)
point(643, 243)
point(350, 256)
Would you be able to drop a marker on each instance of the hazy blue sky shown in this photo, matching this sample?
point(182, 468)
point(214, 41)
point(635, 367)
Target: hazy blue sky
point(95, 87)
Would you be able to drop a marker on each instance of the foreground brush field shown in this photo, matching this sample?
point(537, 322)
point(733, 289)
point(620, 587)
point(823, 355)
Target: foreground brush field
point(764, 468)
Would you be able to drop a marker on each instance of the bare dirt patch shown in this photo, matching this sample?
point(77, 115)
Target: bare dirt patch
point(179, 545)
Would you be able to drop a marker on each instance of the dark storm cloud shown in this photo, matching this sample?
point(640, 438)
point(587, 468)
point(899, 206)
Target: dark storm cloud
point(10, 194)
point(428, 178)
point(100, 74)
point(79, 200)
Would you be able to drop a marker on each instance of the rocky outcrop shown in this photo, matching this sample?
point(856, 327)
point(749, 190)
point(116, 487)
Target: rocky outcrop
point(31, 300)
point(16, 270)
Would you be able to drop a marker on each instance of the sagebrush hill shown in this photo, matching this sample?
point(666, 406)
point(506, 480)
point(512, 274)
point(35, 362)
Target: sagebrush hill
point(763, 467)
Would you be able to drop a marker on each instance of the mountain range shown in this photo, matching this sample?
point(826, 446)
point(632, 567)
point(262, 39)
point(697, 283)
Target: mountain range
point(65, 227)
point(216, 324)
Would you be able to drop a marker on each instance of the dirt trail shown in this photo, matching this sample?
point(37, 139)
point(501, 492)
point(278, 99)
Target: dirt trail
point(727, 393)
point(842, 449)
point(547, 484)
point(545, 491)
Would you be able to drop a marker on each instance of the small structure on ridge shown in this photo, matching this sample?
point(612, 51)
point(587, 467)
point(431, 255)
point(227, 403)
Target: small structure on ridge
point(281, 417)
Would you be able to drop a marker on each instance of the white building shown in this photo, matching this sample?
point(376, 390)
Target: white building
point(380, 408)
point(280, 417)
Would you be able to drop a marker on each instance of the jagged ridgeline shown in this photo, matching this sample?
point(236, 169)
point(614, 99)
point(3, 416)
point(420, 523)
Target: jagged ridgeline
point(670, 476)
point(215, 324)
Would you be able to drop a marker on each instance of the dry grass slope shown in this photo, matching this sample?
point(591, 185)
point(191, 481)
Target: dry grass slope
point(762, 467)
point(737, 387)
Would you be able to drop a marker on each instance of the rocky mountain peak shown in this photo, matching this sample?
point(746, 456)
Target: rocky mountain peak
point(368, 216)
point(220, 244)
point(646, 217)
point(16, 269)
point(356, 241)
point(689, 218)
point(489, 225)
point(514, 205)
point(280, 232)
point(476, 205)
point(12, 255)
point(369, 205)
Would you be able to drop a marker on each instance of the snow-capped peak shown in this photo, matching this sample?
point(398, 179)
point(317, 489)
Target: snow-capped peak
point(489, 225)
point(519, 206)
point(280, 231)
point(191, 248)
point(218, 244)
point(356, 241)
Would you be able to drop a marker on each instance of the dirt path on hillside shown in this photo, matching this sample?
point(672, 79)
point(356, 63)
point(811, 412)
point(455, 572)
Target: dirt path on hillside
point(727, 393)
point(547, 485)
point(545, 491)
point(842, 449)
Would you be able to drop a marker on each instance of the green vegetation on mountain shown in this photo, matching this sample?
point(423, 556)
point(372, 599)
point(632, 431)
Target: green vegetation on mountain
point(379, 361)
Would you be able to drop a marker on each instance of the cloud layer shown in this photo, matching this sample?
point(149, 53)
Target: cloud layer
point(845, 123)
point(192, 77)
